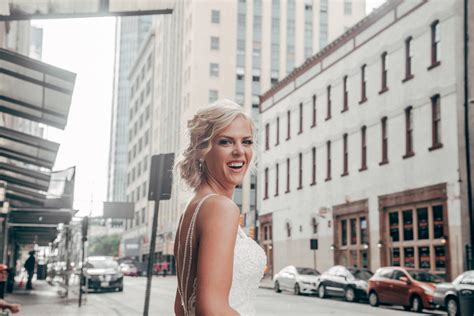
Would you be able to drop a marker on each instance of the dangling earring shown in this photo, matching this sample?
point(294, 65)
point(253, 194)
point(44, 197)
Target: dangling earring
point(200, 165)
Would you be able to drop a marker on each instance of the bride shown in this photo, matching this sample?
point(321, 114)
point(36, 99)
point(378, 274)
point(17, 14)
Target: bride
point(219, 268)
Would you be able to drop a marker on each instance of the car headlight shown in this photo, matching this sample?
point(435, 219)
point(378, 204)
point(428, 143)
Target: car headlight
point(306, 282)
point(428, 290)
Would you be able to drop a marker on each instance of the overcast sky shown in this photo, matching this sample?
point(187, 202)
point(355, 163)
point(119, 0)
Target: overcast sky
point(86, 47)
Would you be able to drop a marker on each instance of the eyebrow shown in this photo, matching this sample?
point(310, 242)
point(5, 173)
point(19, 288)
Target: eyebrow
point(230, 137)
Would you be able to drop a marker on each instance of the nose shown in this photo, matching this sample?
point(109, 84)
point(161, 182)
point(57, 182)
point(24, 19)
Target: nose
point(238, 149)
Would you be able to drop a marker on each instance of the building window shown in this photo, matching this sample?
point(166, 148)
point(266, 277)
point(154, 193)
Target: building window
point(213, 96)
point(328, 111)
point(363, 148)
point(287, 175)
point(323, 23)
point(308, 28)
point(290, 35)
point(313, 171)
point(344, 232)
point(265, 195)
point(347, 7)
point(314, 225)
point(384, 141)
point(277, 179)
point(435, 44)
point(267, 136)
point(214, 70)
point(345, 164)
point(408, 59)
point(328, 163)
point(345, 95)
point(301, 118)
point(288, 229)
point(288, 128)
point(300, 171)
point(408, 132)
point(215, 16)
point(313, 124)
point(436, 122)
point(215, 43)
point(384, 73)
point(277, 131)
point(352, 239)
point(363, 85)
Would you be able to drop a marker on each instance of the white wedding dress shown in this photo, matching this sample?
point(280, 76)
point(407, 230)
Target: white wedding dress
point(249, 265)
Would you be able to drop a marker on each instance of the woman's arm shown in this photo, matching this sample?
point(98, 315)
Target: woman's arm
point(178, 308)
point(217, 230)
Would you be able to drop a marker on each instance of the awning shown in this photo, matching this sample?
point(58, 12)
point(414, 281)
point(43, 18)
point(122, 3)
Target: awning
point(20, 197)
point(24, 177)
point(35, 90)
point(37, 225)
point(27, 148)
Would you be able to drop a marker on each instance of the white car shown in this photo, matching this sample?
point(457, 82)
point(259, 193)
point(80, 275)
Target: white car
point(297, 280)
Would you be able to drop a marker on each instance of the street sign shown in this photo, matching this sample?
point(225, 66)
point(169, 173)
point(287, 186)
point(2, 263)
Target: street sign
point(313, 244)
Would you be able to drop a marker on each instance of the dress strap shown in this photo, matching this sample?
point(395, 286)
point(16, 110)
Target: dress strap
point(188, 247)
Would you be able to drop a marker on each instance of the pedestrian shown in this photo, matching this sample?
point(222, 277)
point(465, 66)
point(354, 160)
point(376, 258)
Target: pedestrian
point(218, 267)
point(164, 267)
point(30, 269)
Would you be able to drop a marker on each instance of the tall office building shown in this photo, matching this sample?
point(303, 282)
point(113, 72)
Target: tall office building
point(130, 34)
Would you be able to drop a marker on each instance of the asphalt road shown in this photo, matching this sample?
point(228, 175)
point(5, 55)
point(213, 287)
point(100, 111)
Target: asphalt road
point(131, 301)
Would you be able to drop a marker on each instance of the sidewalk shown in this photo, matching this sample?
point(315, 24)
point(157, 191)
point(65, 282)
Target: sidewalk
point(266, 283)
point(44, 299)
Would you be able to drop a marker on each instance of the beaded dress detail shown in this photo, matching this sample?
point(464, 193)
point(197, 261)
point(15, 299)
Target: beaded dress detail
point(249, 264)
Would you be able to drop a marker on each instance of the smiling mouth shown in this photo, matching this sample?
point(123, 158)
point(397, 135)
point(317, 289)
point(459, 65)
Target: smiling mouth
point(236, 165)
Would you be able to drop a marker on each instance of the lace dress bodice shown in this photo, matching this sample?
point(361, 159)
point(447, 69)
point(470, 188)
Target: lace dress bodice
point(248, 268)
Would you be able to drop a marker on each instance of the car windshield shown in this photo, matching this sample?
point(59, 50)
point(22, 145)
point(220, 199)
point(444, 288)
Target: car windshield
point(307, 271)
point(361, 274)
point(424, 276)
point(468, 278)
point(102, 264)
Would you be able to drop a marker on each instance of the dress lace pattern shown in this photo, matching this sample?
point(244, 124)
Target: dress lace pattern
point(249, 264)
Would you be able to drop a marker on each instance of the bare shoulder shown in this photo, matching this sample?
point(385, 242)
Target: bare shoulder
point(218, 209)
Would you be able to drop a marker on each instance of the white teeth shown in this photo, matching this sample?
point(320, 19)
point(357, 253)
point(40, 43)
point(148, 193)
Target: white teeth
point(236, 164)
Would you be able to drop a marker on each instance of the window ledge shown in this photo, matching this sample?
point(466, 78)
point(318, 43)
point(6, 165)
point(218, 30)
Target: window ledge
point(408, 155)
point(277, 144)
point(409, 77)
point(435, 146)
point(384, 89)
point(300, 132)
point(363, 168)
point(344, 109)
point(288, 138)
point(327, 118)
point(287, 191)
point(327, 179)
point(345, 174)
point(313, 125)
point(313, 183)
point(265, 197)
point(434, 65)
point(363, 100)
point(299, 188)
point(275, 195)
point(383, 162)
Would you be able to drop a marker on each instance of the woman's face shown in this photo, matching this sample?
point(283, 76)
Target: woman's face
point(230, 154)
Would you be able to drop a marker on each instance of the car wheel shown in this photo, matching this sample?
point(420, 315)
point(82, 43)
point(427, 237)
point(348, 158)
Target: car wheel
point(349, 294)
point(416, 304)
point(297, 289)
point(120, 289)
point(373, 299)
point(452, 307)
point(277, 287)
point(322, 291)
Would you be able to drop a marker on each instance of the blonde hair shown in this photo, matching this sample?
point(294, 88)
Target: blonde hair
point(201, 130)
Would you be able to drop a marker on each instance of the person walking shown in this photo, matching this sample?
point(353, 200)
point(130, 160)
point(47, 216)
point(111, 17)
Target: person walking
point(30, 269)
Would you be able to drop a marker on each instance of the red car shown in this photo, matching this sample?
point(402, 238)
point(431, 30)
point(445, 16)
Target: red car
point(411, 288)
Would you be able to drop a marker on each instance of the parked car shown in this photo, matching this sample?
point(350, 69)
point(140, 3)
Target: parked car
point(446, 294)
point(103, 273)
point(296, 279)
point(350, 283)
point(129, 269)
point(411, 288)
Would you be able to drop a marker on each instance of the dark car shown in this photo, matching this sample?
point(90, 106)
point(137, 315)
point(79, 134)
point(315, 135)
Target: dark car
point(103, 273)
point(446, 294)
point(411, 288)
point(350, 283)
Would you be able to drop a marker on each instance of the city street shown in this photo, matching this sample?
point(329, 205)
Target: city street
point(130, 302)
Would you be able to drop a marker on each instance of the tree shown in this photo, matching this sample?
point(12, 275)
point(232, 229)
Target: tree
point(104, 245)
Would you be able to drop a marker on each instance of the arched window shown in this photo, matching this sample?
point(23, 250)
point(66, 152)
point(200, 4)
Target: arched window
point(314, 225)
point(288, 229)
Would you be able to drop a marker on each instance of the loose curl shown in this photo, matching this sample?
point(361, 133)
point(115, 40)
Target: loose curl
point(201, 130)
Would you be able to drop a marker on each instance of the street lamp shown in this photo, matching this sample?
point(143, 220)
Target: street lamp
point(365, 246)
point(333, 247)
point(380, 244)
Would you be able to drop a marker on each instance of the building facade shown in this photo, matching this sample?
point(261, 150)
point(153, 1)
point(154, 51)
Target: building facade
point(363, 147)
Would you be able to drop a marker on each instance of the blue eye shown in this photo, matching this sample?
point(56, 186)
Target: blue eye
point(248, 142)
point(223, 142)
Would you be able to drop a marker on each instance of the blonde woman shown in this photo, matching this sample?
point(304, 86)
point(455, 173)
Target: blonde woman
point(219, 267)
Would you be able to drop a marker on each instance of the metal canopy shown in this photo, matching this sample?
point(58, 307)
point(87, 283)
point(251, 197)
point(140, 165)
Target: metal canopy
point(49, 89)
point(37, 225)
point(20, 197)
point(27, 148)
point(53, 9)
point(24, 177)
